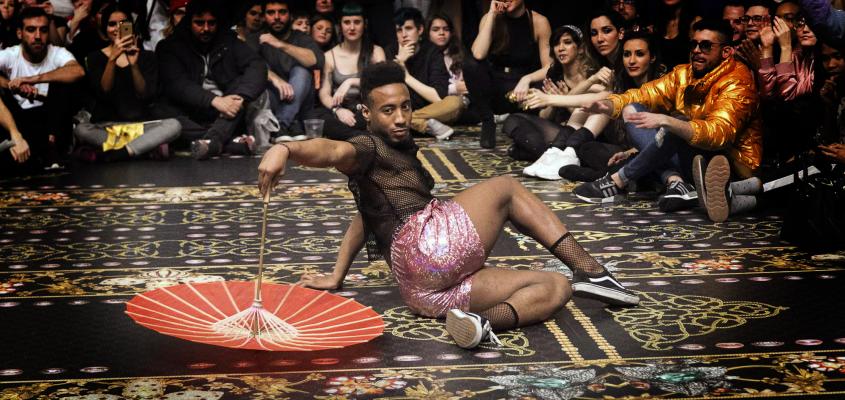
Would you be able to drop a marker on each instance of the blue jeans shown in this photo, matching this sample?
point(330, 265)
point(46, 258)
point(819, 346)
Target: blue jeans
point(650, 158)
point(303, 88)
point(641, 138)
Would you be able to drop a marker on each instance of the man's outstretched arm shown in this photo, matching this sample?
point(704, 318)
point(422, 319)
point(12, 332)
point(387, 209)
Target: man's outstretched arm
point(319, 153)
point(352, 243)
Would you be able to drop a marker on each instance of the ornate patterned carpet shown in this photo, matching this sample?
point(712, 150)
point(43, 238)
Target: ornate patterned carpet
point(728, 310)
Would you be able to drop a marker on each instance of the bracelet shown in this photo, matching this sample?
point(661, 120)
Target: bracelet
point(285, 146)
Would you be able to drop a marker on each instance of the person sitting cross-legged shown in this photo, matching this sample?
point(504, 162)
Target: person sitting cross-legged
point(211, 77)
point(436, 248)
point(707, 107)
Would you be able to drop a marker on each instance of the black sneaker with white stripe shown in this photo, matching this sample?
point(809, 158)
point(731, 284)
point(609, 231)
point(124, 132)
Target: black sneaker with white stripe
point(604, 288)
point(679, 196)
point(468, 329)
point(602, 190)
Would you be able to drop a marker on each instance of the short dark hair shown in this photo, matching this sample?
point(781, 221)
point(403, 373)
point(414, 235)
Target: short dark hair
point(266, 2)
point(197, 7)
point(734, 3)
point(759, 3)
point(408, 13)
point(720, 26)
point(31, 12)
point(380, 74)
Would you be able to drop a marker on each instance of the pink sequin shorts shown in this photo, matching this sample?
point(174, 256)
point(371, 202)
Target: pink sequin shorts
point(434, 256)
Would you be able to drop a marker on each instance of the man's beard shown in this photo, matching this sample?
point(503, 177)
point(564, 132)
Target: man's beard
point(281, 33)
point(33, 54)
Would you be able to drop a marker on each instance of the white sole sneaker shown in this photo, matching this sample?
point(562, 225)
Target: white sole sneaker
point(465, 330)
point(605, 294)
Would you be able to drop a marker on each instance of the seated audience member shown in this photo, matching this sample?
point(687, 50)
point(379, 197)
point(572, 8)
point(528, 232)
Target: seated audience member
point(176, 13)
point(427, 77)
point(757, 16)
point(733, 12)
point(290, 55)
point(630, 12)
point(339, 93)
point(606, 31)
point(84, 34)
point(124, 80)
point(671, 27)
point(324, 6)
point(211, 78)
point(825, 20)
point(301, 21)
point(250, 19)
point(571, 73)
point(8, 22)
point(58, 25)
point(322, 31)
point(617, 141)
point(787, 87)
point(38, 74)
point(512, 43)
point(831, 93)
point(442, 34)
point(716, 102)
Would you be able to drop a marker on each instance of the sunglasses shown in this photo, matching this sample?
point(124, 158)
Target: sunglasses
point(799, 23)
point(704, 45)
point(116, 23)
point(755, 19)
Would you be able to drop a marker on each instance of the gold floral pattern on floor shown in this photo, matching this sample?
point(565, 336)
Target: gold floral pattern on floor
point(663, 319)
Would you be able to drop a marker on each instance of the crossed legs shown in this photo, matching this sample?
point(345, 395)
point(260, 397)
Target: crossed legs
point(533, 295)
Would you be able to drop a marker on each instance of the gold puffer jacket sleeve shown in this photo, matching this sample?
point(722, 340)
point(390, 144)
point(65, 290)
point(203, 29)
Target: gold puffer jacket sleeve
point(722, 108)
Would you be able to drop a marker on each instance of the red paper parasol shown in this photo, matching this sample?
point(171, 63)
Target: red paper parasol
point(275, 317)
point(293, 318)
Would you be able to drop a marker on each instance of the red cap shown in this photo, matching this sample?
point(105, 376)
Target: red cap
point(176, 4)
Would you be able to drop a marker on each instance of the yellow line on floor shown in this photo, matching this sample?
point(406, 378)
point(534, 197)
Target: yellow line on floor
point(602, 343)
point(452, 168)
point(427, 165)
point(565, 344)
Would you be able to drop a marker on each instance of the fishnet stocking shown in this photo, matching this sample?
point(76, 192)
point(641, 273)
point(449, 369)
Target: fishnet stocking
point(568, 250)
point(502, 316)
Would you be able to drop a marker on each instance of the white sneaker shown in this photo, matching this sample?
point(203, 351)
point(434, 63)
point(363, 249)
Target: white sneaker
point(531, 170)
point(438, 129)
point(500, 118)
point(299, 138)
point(468, 329)
point(556, 160)
point(282, 138)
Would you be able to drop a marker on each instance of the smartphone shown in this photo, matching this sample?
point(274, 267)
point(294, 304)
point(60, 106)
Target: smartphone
point(125, 29)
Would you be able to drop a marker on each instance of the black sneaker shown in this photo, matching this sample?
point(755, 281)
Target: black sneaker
point(679, 196)
point(601, 190)
point(604, 288)
point(468, 329)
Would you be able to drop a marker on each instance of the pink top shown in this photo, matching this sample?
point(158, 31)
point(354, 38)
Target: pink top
point(789, 80)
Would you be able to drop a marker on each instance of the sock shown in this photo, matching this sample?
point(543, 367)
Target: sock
point(562, 137)
point(751, 185)
point(742, 203)
point(502, 316)
point(567, 250)
point(579, 137)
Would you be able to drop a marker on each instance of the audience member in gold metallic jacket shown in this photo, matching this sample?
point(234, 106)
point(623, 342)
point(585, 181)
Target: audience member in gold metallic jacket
point(721, 107)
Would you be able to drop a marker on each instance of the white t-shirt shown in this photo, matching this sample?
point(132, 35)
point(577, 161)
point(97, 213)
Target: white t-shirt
point(14, 66)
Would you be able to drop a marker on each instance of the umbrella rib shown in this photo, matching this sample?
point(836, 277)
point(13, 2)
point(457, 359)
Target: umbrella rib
point(290, 317)
point(231, 299)
point(154, 301)
point(205, 299)
point(333, 318)
point(284, 299)
point(185, 302)
point(173, 323)
point(325, 311)
point(343, 324)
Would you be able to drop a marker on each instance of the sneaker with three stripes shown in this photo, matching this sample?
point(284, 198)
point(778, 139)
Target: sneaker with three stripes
point(602, 190)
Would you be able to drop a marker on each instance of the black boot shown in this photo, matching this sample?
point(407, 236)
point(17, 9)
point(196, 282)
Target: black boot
point(488, 135)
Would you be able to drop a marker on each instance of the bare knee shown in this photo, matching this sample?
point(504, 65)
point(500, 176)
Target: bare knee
point(558, 292)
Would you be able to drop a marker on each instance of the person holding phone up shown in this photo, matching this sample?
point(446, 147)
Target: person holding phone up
point(124, 79)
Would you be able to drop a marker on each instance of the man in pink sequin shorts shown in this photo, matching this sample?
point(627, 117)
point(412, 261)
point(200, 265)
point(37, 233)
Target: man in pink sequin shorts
point(436, 248)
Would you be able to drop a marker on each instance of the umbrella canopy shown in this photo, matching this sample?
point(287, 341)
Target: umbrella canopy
point(283, 318)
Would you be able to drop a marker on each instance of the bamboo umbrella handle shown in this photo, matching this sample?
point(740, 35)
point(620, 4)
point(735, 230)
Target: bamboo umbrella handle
point(265, 204)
